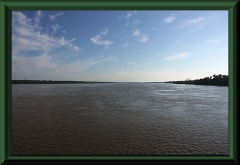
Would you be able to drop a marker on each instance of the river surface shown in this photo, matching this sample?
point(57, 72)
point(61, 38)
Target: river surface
point(119, 119)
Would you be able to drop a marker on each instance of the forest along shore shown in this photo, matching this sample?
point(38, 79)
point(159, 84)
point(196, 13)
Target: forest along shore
point(53, 82)
point(218, 80)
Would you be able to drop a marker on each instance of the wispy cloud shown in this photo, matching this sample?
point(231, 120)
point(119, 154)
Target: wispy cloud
point(119, 36)
point(104, 32)
point(135, 22)
point(182, 11)
point(178, 41)
point(195, 21)
point(141, 37)
point(37, 19)
point(76, 48)
point(124, 45)
point(55, 27)
point(213, 41)
point(78, 66)
point(177, 57)
point(127, 15)
point(132, 63)
point(35, 67)
point(27, 37)
point(169, 19)
point(44, 64)
point(97, 39)
point(112, 58)
point(194, 24)
point(155, 29)
point(53, 17)
point(189, 23)
point(64, 31)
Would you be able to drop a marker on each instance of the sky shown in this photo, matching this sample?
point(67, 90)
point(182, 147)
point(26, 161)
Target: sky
point(119, 46)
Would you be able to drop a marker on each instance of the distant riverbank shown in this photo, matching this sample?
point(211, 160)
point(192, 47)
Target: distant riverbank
point(217, 80)
point(53, 82)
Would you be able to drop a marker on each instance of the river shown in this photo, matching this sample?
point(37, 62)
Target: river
point(119, 119)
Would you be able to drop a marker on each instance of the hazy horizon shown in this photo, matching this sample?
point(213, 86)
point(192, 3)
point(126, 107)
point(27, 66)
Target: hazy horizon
point(119, 46)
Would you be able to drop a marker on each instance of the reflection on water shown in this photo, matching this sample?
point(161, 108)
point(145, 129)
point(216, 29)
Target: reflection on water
point(119, 119)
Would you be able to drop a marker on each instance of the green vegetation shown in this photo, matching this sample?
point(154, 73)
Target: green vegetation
point(219, 80)
point(52, 82)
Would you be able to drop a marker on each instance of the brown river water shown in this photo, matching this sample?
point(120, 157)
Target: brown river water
point(119, 119)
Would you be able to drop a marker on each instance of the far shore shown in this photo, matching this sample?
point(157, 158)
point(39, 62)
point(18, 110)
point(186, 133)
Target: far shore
point(215, 80)
point(54, 82)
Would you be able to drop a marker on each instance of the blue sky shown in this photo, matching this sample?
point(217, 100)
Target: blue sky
point(122, 46)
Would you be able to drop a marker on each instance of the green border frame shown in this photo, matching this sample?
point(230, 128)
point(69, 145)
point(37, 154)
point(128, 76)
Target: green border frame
point(6, 6)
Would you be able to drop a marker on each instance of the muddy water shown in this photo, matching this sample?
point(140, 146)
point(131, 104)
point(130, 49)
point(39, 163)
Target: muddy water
point(119, 119)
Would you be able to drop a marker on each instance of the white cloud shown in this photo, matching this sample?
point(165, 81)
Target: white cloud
point(135, 22)
point(195, 21)
point(77, 49)
point(43, 65)
point(39, 12)
point(177, 57)
point(21, 18)
point(104, 32)
point(56, 27)
point(212, 41)
point(120, 36)
point(127, 15)
point(194, 24)
point(53, 17)
point(124, 45)
point(169, 19)
point(179, 41)
point(37, 18)
point(136, 33)
point(132, 63)
point(97, 39)
point(140, 36)
point(26, 36)
point(111, 58)
point(64, 31)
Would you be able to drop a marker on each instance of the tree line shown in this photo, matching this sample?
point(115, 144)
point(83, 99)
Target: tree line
point(51, 82)
point(219, 80)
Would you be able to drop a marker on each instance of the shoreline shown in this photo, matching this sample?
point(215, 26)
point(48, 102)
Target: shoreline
point(54, 82)
point(198, 84)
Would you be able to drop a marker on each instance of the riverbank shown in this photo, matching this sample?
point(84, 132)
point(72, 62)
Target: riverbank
point(53, 82)
point(216, 80)
point(183, 82)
